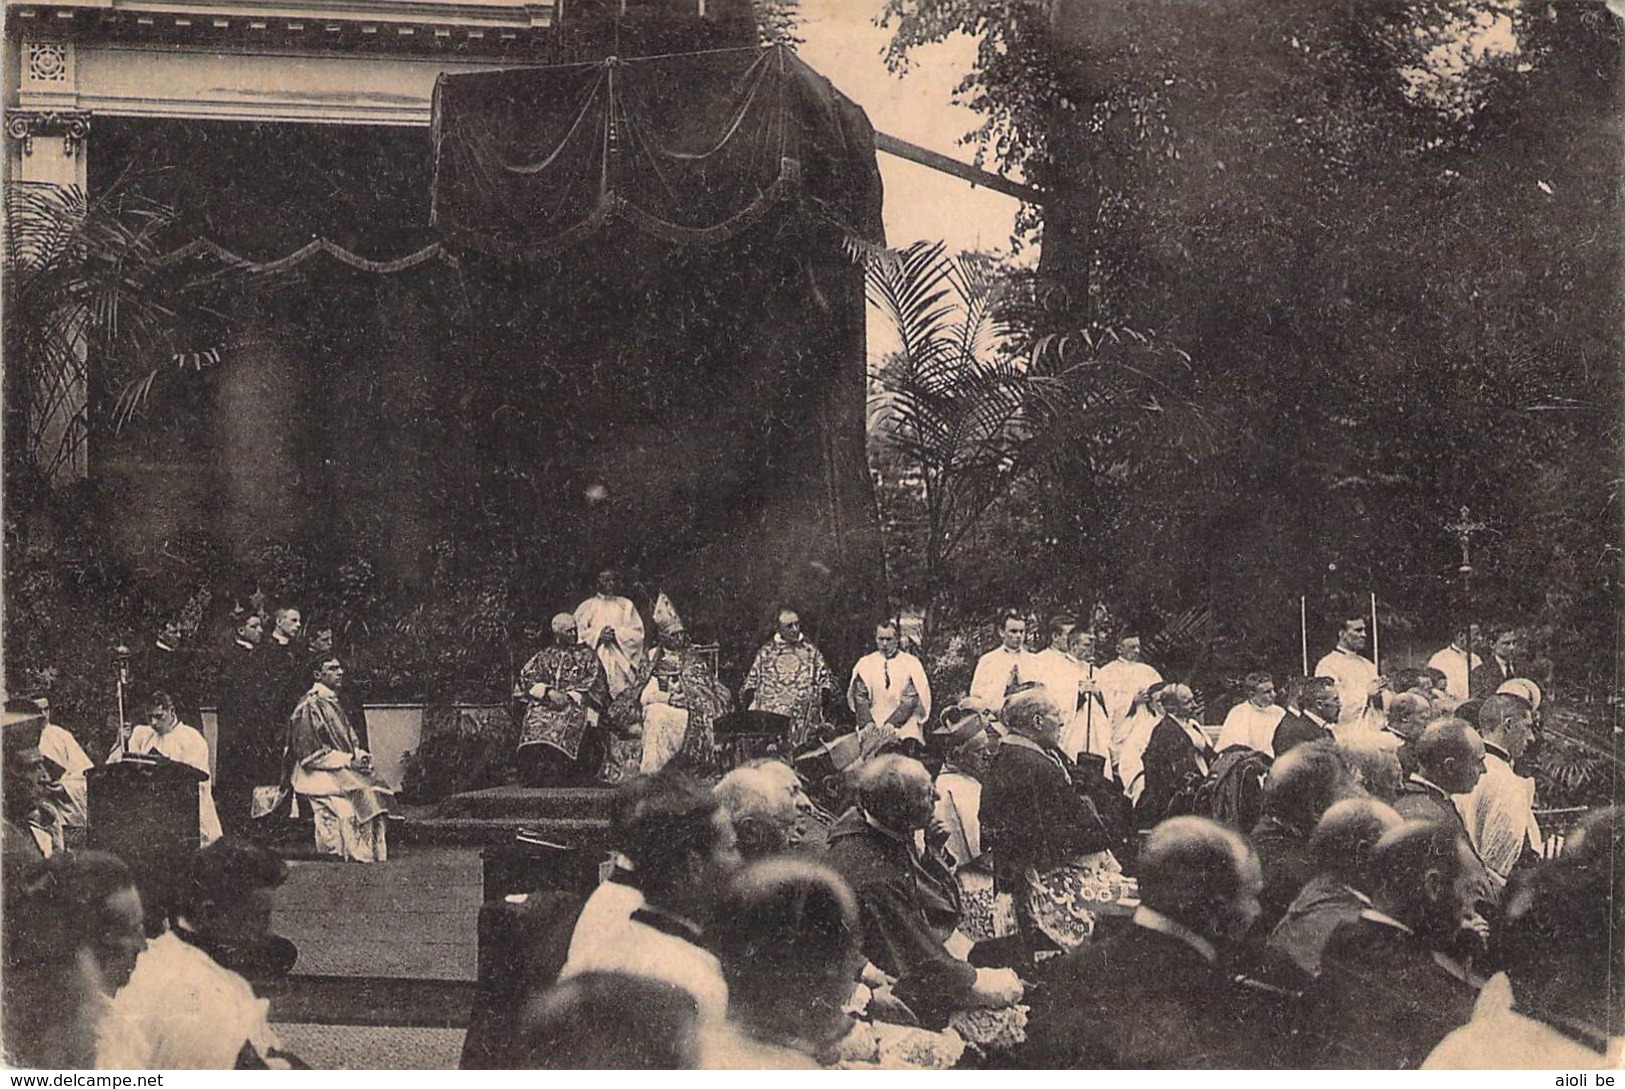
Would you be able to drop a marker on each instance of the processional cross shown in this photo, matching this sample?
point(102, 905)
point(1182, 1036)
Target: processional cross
point(1464, 527)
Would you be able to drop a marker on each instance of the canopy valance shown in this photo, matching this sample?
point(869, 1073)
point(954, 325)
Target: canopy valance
point(690, 148)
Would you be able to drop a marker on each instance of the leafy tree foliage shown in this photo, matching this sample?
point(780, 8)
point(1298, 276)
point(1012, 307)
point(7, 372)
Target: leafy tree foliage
point(1385, 234)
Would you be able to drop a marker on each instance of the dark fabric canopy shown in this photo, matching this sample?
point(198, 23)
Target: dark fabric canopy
point(648, 354)
point(690, 148)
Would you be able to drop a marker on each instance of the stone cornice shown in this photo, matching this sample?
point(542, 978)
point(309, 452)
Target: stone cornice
point(403, 22)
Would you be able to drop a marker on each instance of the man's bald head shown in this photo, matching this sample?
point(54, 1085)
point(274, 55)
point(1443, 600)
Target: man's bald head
point(1450, 754)
point(1033, 713)
point(1202, 874)
point(1304, 782)
point(897, 791)
point(1408, 715)
point(790, 951)
point(1342, 841)
point(1423, 874)
point(762, 809)
point(1376, 768)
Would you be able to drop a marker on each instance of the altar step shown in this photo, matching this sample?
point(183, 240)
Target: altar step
point(572, 816)
point(513, 801)
point(423, 827)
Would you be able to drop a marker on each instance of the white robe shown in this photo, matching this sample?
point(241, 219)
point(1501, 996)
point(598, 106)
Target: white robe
point(1453, 664)
point(195, 1014)
point(1252, 726)
point(1500, 815)
point(623, 658)
point(183, 745)
point(959, 811)
point(996, 671)
point(1084, 723)
point(664, 727)
point(58, 746)
point(1354, 674)
point(887, 680)
point(1120, 682)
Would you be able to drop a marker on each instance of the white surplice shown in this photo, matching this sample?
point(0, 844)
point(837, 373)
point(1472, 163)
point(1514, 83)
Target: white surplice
point(996, 672)
point(1250, 725)
point(885, 682)
point(1354, 674)
point(623, 658)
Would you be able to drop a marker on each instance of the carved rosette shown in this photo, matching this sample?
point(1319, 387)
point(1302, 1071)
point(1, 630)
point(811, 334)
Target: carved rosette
point(72, 125)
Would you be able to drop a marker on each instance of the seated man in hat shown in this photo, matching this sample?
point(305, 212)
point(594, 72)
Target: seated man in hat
point(681, 697)
point(968, 743)
point(33, 829)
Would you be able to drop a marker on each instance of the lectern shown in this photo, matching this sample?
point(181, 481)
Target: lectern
point(145, 810)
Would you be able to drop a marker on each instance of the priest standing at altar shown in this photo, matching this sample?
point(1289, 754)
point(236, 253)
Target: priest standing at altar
point(611, 626)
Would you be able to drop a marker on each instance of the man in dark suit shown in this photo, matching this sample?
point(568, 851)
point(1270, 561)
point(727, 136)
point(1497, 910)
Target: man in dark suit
point(1450, 760)
point(1388, 991)
point(907, 898)
point(1318, 707)
point(1300, 787)
point(287, 662)
point(1340, 851)
point(1158, 994)
point(1498, 666)
point(1177, 757)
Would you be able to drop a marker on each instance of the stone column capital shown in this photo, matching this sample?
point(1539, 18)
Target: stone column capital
point(73, 126)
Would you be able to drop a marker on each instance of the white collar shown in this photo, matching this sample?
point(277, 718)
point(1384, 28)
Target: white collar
point(245, 644)
point(1372, 915)
point(1155, 920)
point(1416, 777)
point(281, 639)
point(1316, 719)
point(323, 691)
point(783, 642)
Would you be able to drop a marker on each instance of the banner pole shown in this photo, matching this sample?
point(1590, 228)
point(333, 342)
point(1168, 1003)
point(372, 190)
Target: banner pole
point(1376, 646)
point(1303, 627)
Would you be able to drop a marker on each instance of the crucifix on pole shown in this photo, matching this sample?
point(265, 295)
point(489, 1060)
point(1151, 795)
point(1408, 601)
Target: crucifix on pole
point(1464, 527)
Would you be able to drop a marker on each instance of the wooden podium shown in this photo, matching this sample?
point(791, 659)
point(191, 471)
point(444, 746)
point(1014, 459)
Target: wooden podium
point(145, 811)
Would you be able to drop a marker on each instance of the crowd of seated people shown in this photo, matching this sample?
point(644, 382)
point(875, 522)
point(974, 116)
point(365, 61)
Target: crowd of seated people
point(1312, 894)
